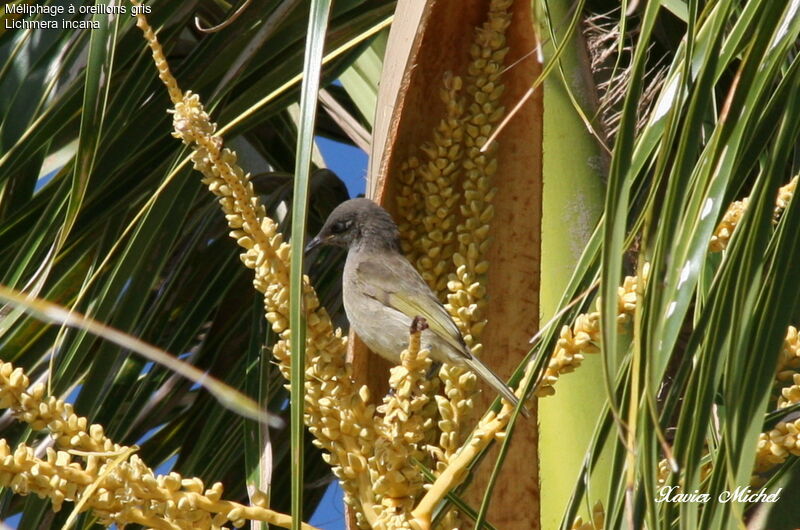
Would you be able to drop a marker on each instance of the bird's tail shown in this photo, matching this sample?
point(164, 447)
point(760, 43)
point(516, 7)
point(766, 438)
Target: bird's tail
point(494, 381)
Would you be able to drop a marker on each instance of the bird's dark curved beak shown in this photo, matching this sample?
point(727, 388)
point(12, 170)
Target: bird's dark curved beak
point(314, 243)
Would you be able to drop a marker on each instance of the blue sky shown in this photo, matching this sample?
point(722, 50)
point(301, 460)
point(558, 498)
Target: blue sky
point(347, 161)
point(330, 512)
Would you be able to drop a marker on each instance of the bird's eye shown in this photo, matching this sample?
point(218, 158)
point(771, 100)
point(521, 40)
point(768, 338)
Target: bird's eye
point(340, 226)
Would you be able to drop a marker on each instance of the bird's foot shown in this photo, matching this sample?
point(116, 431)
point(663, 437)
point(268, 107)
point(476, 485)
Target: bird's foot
point(418, 325)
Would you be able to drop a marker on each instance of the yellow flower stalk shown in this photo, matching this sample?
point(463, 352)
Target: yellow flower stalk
point(452, 227)
point(584, 335)
point(789, 358)
point(723, 233)
point(337, 413)
point(466, 300)
point(88, 468)
point(777, 444)
point(426, 197)
point(402, 429)
point(490, 428)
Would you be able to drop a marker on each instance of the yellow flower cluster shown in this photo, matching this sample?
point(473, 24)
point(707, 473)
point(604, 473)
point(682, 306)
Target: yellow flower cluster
point(789, 358)
point(790, 394)
point(337, 413)
point(785, 194)
point(106, 477)
point(573, 343)
point(467, 298)
point(584, 335)
point(776, 445)
point(724, 231)
point(721, 237)
point(406, 420)
point(426, 199)
point(664, 470)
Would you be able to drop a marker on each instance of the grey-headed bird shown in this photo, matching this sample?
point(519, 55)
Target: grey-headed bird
point(383, 292)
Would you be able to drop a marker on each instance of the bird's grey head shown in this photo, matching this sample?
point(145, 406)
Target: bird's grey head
point(358, 223)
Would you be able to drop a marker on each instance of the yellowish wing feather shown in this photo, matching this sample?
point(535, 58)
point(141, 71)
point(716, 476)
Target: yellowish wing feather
point(394, 282)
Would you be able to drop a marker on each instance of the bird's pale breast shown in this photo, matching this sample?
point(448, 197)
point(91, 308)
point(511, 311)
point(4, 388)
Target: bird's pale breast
point(383, 329)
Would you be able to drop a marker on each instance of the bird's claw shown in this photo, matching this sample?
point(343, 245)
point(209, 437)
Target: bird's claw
point(419, 324)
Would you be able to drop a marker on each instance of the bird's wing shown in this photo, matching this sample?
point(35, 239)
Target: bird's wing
point(394, 282)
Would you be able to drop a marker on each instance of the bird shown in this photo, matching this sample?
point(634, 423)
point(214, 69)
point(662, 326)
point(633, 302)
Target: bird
point(383, 292)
